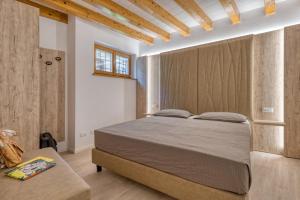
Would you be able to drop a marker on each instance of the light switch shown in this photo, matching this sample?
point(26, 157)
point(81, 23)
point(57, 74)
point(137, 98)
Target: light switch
point(268, 109)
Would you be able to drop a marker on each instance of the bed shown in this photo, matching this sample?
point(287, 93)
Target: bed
point(184, 158)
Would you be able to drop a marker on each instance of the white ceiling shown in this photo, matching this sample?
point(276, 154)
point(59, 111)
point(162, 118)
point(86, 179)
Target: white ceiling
point(212, 8)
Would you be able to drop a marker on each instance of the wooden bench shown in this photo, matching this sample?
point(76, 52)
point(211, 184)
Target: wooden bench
point(57, 183)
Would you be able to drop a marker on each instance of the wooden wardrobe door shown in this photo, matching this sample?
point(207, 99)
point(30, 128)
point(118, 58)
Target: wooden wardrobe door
point(292, 91)
point(52, 65)
point(19, 72)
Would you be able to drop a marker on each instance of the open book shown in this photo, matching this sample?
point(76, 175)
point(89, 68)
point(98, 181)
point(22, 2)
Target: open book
point(30, 168)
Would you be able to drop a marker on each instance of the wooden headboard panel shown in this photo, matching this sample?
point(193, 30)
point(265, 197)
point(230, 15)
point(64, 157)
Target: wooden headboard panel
point(213, 77)
point(178, 80)
point(224, 76)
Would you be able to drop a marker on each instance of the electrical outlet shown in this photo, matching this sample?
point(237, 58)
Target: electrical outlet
point(268, 109)
point(83, 134)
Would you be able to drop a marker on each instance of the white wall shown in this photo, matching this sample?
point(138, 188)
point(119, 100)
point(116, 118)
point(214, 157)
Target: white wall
point(252, 22)
point(53, 34)
point(99, 101)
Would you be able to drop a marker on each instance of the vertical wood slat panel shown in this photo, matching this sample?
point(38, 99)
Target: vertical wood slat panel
point(224, 76)
point(179, 80)
point(141, 89)
point(52, 100)
point(292, 91)
point(20, 75)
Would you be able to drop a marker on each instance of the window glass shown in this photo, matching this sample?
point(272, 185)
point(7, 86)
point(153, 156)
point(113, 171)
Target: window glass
point(122, 65)
point(104, 61)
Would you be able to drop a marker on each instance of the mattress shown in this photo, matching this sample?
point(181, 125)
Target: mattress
point(211, 153)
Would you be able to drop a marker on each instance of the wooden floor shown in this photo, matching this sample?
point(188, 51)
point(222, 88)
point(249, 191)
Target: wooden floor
point(274, 178)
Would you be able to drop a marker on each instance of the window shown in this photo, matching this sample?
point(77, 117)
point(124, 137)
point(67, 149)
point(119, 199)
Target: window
point(111, 62)
point(122, 64)
point(104, 61)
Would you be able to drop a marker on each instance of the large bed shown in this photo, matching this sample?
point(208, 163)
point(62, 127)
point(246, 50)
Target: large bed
point(184, 158)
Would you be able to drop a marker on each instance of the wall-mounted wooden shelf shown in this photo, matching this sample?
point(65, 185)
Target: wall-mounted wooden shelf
point(269, 122)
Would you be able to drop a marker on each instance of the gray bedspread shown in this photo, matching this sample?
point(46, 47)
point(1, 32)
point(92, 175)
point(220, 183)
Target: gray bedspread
point(212, 153)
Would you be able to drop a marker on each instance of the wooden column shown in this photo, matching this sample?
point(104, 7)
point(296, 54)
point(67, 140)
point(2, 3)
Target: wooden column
point(268, 74)
point(141, 89)
point(292, 91)
point(153, 83)
point(20, 75)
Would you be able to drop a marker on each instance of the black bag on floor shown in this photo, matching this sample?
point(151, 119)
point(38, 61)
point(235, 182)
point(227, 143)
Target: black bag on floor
point(46, 140)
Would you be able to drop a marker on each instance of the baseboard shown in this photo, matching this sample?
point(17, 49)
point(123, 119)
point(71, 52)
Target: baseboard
point(82, 148)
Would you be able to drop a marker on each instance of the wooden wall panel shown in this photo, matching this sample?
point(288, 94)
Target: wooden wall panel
point(268, 75)
point(52, 102)
point(141, 89)
point(20, 77)
point(292, 90)
point(224, 76)
point(178, 80)
point(268, 138)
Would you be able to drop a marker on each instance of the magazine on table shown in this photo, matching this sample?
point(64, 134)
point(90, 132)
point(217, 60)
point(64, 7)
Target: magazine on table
point(30, 168)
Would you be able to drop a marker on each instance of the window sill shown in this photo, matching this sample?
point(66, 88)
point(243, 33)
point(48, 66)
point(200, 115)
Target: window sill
point(113, 76)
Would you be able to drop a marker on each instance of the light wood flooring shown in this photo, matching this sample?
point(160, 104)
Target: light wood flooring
point(274, 178)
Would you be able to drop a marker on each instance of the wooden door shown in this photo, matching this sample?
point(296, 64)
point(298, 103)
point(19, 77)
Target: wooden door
point(292, 91)
point(19, 72)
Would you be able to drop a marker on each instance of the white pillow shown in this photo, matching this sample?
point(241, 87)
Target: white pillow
point(173, 113)
point(222, 116)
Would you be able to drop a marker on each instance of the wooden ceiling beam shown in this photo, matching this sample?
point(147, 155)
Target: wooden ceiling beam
point(48, 12)
point(162, 14)
point(131, 17)
point(270, 7)
point(88, 14)
point(232, 10)
point(193, 9)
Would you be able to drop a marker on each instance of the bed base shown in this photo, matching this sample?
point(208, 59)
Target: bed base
point(171, 185)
